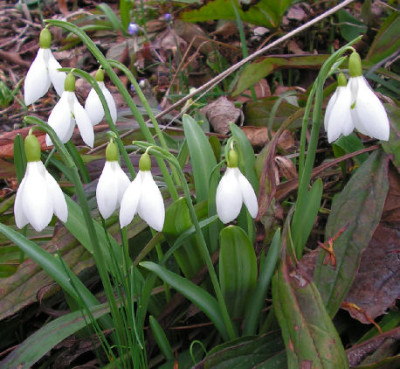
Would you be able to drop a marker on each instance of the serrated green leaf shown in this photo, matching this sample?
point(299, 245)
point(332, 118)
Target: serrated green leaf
point(357, 209)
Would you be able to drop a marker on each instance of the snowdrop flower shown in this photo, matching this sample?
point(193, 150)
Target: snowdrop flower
point(93, 105)
point(112, 183)
point(39, 196)
point(338, 120)
point(368, 114)
point(43, 72)
point(143, 197)
point(355, 106)
point(233, 190)
point(66, 113)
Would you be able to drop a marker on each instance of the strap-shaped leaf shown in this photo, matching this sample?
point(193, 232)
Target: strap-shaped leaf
point(357, 209)
point(310, 337)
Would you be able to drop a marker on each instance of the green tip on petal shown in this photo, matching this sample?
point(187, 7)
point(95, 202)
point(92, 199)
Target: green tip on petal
point(355, 66)
point(342, 81)
point(112, 153)
point(69, 84)
point(145, 162)
point(233, 159)
point(32, 148)
point(45, 39)
point(100, 75)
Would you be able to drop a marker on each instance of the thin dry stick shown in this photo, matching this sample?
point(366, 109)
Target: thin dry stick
point(213, 82)
point(210, 84)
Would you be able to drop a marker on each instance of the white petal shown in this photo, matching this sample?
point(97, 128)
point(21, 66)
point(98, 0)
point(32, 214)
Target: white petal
point(369, 115)
point(110, 102)
point(61, 120)
point(84, 124)
point(228, 196)
point(130, 201)
point(37, 80)
point(107, 191)
point(329, 107)
point(122, 180)
point(93, 107)
point(151, 205)
point(57, 78)
point(20, 219)
point(248, 194)
point(340, 121)
point(60, 207)
point(36, 201)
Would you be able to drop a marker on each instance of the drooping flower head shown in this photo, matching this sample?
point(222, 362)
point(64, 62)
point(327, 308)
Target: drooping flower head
point(93, 105)
point(68, 112)
point(143, 197)
point(39, 196)
point(112, 183)
point(338, 120)
point(233, 190)
point(368, 113)
point(133, 29)
point(43, 72)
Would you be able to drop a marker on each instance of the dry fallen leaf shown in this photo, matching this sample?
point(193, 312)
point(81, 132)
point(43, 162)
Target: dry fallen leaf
point(220, 113)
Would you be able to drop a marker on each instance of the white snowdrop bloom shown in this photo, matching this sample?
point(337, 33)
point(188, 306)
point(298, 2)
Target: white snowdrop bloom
point(144, 198)
point(368, 113)
point(338, 120)
point(39, 196)
point(43, 72)
point(233, 190)
point(66, 113)
point(112, 183)
point(93, 105)
point(356, 106)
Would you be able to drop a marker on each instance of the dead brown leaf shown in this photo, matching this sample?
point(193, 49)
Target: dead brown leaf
point(220, 113)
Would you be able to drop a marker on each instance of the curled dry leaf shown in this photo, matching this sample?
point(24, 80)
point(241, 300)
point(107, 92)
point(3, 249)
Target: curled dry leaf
point(222, 112)
point(286, 167)
point(258, 137)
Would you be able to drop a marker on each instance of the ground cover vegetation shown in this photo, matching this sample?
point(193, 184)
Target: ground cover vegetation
point(189, 184)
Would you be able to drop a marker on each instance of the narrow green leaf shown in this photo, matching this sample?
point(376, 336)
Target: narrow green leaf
point(267, 268)
point(261, 352)
point(161, 338)
point(201, 156)
point(78, 161)
point(237, 269)
point(109, 13)
point(19, 157)
point(309, 334)
point(357, 209)
point(46, 338)
point(387, 40)
point(52, 266)
point(305, 215)
point(77, 226)
point(201, 298)
point(125, 7)
point(350, 27)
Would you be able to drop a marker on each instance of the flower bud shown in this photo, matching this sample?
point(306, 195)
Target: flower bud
point(45, 39)
point(233, 159)
point(145, 162)
point(32, 148)
point(100, 75)
point(69, 84)
point(112, 151)
point(355, 67)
